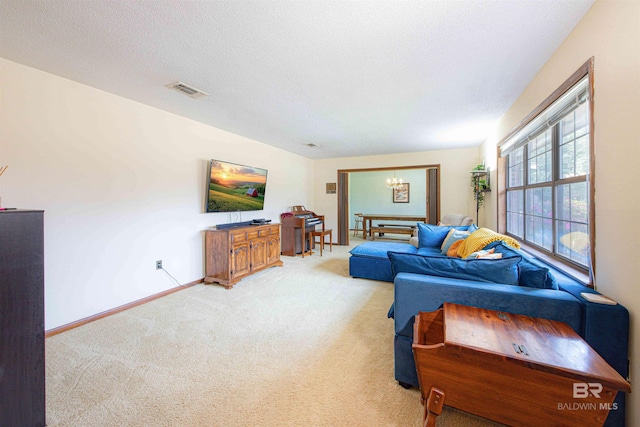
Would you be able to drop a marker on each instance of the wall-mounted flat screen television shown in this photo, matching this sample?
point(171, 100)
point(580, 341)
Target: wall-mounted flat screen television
point(232, 187)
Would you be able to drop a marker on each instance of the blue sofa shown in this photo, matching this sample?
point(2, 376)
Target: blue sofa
point(421, 285)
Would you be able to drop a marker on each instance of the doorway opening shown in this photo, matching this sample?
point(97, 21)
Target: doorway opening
point(427, 196)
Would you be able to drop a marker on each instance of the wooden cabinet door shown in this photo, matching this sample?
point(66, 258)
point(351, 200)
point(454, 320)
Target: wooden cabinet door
point(240, 260)
point(258, 254)
point(273, 249)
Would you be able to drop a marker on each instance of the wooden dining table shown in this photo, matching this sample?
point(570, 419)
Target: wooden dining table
point(388, 217)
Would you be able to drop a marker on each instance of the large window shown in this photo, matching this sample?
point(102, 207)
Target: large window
point(547, 189)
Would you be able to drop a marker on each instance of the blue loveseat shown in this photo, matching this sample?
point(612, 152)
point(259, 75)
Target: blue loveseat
point(422, 284)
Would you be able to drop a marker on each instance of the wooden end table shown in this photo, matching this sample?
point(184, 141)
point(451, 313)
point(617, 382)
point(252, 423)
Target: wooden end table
point(514, 369)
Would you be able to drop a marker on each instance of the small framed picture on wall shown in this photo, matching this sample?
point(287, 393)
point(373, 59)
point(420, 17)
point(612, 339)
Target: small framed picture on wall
point(331, 187)
point(401, 193)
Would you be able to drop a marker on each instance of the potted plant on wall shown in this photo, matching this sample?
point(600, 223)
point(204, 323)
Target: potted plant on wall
point(480, 182)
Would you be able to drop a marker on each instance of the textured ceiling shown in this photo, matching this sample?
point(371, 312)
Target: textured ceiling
point(353, 77)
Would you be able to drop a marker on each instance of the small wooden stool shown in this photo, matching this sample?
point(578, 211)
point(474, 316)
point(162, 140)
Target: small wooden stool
point(321, 234)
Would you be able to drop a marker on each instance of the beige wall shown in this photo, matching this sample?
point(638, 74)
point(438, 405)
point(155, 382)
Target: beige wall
point(610, 32)
point(122, 185)
point(455, 178)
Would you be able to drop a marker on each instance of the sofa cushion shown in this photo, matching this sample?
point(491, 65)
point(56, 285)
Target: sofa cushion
point(432, 236)
point(532, 273)
point(429, 252)
point(379, 249)
point(504, 271)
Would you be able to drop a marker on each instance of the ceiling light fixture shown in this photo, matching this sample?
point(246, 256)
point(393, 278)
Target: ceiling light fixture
point(395, 182)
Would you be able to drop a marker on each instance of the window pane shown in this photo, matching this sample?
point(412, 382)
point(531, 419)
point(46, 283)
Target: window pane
point(574, 145)
point(516, 170)
point(514, 201)
point(567, 155)
point(539, 202)
point(568, 128)
point(582, 155)
point(539, 214)
point(540, 164)
point(573, 241)
point(572, 202)
point(515, 224)
point(582, 120)
point(572, 227)
point(515, 211)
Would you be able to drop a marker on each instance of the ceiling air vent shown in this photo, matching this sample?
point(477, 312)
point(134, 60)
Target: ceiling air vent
point(187, 90)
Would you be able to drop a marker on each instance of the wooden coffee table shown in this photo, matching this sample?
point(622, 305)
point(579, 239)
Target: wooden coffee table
point(514, 369)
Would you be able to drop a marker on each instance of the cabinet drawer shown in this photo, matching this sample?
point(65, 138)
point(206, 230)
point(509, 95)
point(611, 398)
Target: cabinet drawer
point(264, 232)
point(238, 236)
point(252, 234)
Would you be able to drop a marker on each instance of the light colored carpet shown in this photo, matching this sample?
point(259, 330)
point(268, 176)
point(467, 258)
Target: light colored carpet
point(301, 345)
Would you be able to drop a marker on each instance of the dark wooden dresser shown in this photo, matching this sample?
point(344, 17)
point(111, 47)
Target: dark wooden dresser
point(22, 369)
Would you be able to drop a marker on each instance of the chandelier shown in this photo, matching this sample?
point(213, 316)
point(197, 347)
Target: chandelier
point(395, 182)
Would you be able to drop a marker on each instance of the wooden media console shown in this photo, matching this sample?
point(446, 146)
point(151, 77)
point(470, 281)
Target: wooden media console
point(234, 253)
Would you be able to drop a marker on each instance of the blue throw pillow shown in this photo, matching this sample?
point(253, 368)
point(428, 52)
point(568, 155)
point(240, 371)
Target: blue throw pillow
point(452, 236)
point(532, 275)
point(432, 236)
point(504, 270)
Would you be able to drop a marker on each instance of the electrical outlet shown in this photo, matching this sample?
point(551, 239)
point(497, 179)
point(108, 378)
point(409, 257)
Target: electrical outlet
point(159, 265)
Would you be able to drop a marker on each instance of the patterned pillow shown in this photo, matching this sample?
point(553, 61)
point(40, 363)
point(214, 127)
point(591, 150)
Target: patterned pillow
point(486, 254)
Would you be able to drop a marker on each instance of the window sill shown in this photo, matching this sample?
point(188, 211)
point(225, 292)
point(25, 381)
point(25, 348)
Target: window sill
point(573, 272)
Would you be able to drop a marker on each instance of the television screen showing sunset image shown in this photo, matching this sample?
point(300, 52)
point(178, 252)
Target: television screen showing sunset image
point(232, 187)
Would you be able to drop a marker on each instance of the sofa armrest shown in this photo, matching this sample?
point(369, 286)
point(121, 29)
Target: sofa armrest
point(606, 328)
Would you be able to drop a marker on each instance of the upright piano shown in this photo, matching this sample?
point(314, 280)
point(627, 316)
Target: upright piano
point(296, 226)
